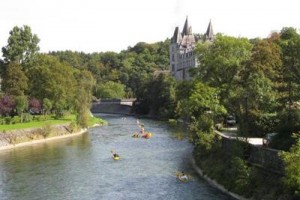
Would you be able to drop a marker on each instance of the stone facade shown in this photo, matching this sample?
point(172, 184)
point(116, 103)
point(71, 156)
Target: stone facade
point(182, 55)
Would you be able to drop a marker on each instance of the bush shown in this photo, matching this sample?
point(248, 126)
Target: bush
point(292, 170)
point(7, 120)
point(46, 130)
point(27, 117)
point(15, 120)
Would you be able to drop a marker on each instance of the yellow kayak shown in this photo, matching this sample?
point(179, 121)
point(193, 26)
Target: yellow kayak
point(147, 135)
point(116, 157)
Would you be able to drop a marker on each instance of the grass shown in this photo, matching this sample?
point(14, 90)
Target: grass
point(51, 121)
point(37, 124)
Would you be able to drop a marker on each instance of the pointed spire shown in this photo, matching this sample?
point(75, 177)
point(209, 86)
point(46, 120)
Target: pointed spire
point(185, 30)
point(176, 36)
point(209, 35)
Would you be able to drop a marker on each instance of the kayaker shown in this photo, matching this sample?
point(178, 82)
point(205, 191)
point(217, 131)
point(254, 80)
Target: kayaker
point(115, 155)
point(142, 129)
point(141, 126)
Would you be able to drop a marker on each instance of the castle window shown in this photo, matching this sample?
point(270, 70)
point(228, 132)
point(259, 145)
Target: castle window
point(173, 58)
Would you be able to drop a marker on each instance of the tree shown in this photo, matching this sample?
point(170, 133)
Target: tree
point(256, 103)
point(110, 90)
point(7, 105)
point(14, 80)
point(221, 62)
point(290, 45)
point(21, 105)
point(292, 170)
point(22, 46)
point(202, 103)
point(83, 96)
point(47, 105)
point(158, 96)
point(35, 106)
point(53, 80)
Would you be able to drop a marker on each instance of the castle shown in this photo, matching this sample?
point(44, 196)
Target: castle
point(182, 56)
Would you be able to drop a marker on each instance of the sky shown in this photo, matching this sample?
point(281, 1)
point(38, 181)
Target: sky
point(114, 25)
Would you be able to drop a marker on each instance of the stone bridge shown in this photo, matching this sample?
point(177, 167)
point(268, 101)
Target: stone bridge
point(113, 106)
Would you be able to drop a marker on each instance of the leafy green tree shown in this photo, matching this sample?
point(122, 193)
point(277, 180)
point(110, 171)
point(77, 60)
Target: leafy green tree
point(21, 105)
point(83, 96)
point(257, 100)
point(203, 99)
point(222, 61)
point(53, 80)
point(47, 105)
point(14, 80)
point(22, 45)
point(110, 90)
point(290, 44)
point(159, 96)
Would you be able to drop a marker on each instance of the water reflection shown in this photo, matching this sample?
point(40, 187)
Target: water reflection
point(81, 167)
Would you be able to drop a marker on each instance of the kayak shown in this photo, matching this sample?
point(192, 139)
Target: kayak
point(116, 157)
point(147, 135)
point(182, 177)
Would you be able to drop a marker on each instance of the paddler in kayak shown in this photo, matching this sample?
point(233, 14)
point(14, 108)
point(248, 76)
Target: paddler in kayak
point(142, 130)
point(182, 177)
point(115, 155)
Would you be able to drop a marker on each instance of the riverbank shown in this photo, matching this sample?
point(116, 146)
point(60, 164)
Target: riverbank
point(31, 136)
point(42, 140)
point(215, 183)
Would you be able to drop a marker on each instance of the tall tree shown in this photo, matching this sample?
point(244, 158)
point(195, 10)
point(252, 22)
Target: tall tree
point(53, 80)
point(22, 45)
point(14, 80)
point(83, 96)
point(220, 63)
point(260, 82)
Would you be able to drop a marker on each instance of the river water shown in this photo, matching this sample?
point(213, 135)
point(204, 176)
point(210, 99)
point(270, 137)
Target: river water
point(81, 167)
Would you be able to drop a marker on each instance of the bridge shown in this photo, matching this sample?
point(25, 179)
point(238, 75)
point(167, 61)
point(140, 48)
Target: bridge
point(113, 106)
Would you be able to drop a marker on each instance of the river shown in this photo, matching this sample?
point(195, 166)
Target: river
point(81, 167)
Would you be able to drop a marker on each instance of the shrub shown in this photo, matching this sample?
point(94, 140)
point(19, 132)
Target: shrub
point(46, 130)
point(27, 117)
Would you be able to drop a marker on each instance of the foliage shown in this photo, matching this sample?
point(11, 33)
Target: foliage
point(52, 80)
point(35, 106)
point(159, 96)
point(47, 106)
point(261, 80)
point(202, 99)
point(14, 80)
point(110, 89)
point(7, 105)
point(22, 46)
point(83, 97)
point(292, 169)
point(289, 122)
point(21, 105)
point(221, 62)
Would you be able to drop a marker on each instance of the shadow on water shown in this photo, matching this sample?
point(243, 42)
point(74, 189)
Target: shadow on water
point(82, 167)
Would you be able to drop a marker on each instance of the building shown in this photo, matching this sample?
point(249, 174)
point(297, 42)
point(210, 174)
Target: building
point(182, 55)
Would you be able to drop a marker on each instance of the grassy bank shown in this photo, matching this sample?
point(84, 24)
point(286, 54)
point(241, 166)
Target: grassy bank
point(12, 134)
point(40, 121)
